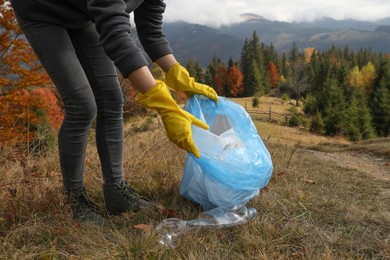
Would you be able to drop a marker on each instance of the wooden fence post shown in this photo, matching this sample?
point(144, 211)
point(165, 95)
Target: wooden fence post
point(269, 117)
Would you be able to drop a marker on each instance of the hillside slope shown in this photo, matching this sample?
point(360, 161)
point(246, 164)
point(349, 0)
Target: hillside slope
point(323, 202)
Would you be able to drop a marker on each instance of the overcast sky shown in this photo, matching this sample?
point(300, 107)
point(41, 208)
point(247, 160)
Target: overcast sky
point(217, 12)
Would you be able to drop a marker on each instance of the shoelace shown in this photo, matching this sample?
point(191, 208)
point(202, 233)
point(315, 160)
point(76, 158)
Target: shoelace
point(128, 192)
point(84, 203)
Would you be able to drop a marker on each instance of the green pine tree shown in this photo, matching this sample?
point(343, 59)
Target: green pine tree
point(190, 66)
point(317, 123)
point(253, 80)
point(212, 70)
point(381, 110)
point(334, 105)
point(359, 123)
point(199, 73)
point(380, 100)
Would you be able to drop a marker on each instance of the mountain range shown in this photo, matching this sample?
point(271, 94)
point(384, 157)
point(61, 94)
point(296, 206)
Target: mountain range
point(201, 42)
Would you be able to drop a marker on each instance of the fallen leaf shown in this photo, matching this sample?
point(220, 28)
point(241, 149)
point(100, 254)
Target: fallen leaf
point(143, 227)
point(168, 213)
point(12, 192)
point(309, 181)
point(76, 224)
point(265, 188)
point(297, 255)
point(53, 174)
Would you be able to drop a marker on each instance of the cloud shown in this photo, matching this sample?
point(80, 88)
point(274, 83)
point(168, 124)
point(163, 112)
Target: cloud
point(218, 12)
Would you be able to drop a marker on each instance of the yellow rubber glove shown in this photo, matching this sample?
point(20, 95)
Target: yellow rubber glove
point(178, 78)
point(177, 122)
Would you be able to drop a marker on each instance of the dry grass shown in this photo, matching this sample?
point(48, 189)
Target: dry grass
point(291, 136)
point(311, 209)
point(379, 147)
point(277, 105)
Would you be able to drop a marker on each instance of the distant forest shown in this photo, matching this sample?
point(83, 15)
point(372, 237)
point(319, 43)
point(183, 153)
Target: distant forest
point(343, 92)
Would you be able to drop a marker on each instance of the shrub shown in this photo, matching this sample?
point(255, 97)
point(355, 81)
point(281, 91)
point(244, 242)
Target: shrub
point(294, 120)
point(255, 102)
point(145, 126)
point(285, 97)
point(29, 116)
point(317, 124)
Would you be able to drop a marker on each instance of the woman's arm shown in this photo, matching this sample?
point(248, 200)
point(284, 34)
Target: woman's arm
point(142, 79)
point(166, 62)
point(113, 24)
point(148, 18)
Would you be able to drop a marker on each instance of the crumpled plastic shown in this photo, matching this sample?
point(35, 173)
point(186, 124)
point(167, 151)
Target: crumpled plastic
point(172, 229)
point(234, 165)
point(231, 175)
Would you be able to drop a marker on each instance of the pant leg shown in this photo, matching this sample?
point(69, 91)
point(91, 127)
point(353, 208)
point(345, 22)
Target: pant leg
point(55, 50)
point(103, 78)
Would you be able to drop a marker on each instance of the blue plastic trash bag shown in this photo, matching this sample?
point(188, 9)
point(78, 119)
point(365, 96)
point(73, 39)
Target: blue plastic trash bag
point(234, 163)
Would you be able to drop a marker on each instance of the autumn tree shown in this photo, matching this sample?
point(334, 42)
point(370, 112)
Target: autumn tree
point(24, 108)
point(362, 80)
point(273, 74)
point(234, 80)
point(368, 74)
point(308, 54)
point(220, 80)
point(354, 79)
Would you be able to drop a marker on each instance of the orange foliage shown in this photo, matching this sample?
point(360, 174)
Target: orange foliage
point(48, 102)
point(23, 111)
point(26, 102)
point(16, 116)
point(308, 53)
point(273, 74)
point(234, 79)
point(19, 67)
point(228, 82)
point(220, 80)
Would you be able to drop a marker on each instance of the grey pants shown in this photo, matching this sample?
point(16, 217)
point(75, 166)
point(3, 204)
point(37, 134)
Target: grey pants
point(87, 82)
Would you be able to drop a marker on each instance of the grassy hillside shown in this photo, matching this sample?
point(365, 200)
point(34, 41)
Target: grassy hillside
point(316, 206)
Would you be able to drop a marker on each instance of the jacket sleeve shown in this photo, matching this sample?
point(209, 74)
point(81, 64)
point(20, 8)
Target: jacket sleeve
point(113, 24)
point(148, 19)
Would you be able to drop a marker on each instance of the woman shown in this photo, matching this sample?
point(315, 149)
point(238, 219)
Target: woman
point(79, 43)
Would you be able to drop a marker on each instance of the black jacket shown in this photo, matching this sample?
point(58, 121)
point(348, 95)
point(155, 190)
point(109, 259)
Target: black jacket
point(111, 18)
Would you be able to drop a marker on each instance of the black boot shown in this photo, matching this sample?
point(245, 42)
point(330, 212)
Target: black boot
point(121, 197)
point(84, 210)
